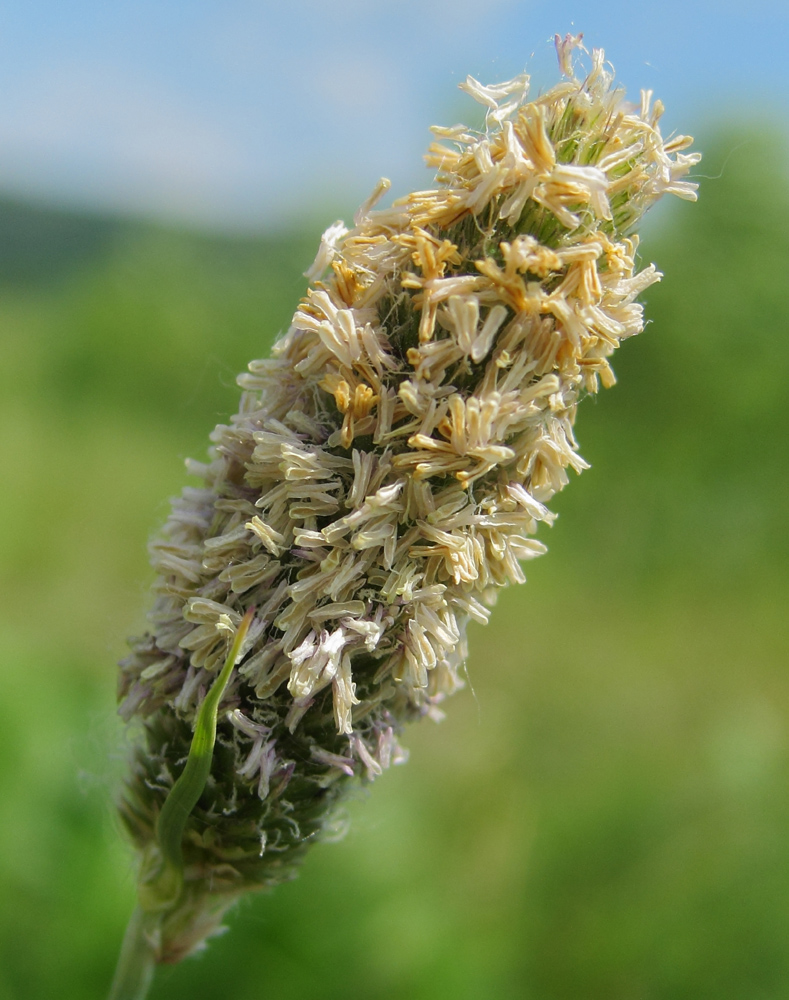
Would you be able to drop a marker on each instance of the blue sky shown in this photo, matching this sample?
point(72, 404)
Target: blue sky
point(251, 114)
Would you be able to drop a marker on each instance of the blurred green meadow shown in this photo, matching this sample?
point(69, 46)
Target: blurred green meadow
point(605, 811)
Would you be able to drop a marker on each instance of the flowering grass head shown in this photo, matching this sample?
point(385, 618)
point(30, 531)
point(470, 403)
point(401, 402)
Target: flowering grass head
point(386, 473)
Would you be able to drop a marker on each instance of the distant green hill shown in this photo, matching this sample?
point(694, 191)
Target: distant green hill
point(39, 243)
point(43, 243)
point(112, 312)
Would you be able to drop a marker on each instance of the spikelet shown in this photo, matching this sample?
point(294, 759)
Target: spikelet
point(386, 472)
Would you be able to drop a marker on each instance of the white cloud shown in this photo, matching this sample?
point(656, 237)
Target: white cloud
point(94, 126)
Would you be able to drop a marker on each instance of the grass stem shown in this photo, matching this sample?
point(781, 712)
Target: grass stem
point(134, 972)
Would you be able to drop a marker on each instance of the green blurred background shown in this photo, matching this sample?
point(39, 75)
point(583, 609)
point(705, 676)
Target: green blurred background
point(605, 811)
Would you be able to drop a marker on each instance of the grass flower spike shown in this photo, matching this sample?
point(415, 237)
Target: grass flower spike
point(387, 471)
